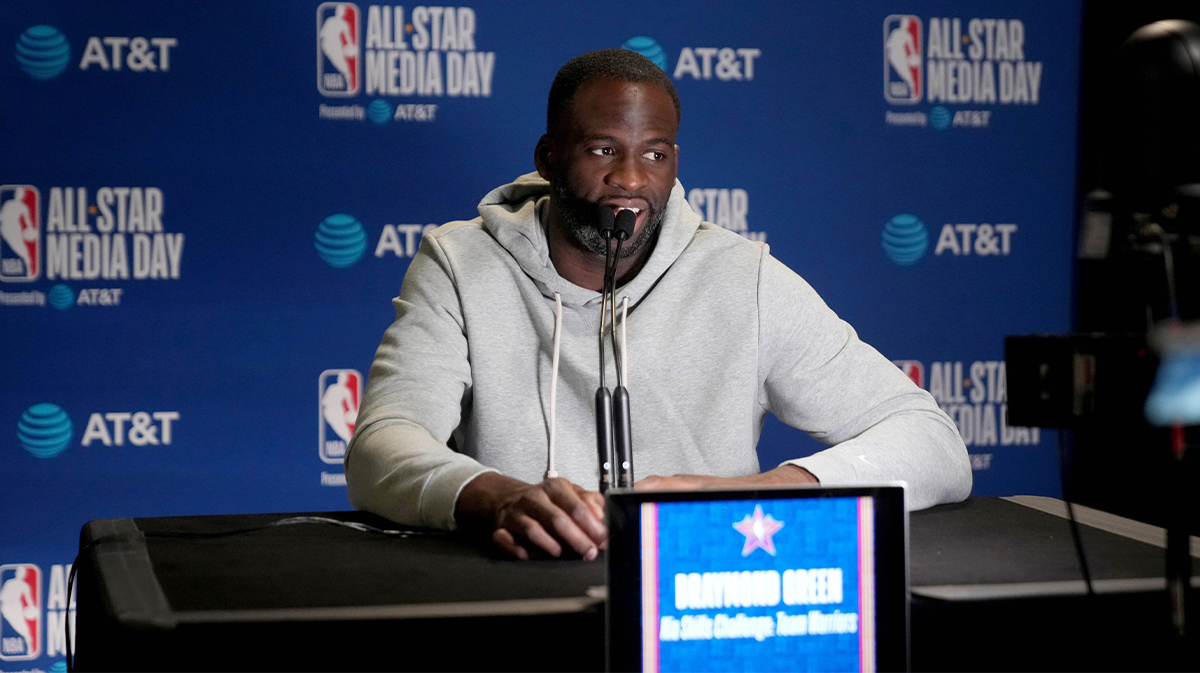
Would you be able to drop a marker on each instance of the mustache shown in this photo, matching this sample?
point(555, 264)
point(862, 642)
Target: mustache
point(580, 217)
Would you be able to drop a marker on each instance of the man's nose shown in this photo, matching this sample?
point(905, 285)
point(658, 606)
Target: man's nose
point(628, 174)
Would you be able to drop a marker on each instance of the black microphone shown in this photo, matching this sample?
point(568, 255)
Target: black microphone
point(622, 432)
point(605, 222)
point(604, 438)
point(624, 225)
point(614, 435)
point(622, 437)
point(604, 428)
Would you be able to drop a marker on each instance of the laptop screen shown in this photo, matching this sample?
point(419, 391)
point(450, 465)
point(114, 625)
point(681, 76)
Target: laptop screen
point(766, 580)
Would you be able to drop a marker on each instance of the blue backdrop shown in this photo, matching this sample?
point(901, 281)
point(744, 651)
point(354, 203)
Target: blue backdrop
point(205, 209)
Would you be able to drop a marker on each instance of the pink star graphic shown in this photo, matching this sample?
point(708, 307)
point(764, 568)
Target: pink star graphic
point(758, 531)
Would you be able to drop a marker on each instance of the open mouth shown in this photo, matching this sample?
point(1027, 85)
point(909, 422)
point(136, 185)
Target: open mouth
point(639, 213)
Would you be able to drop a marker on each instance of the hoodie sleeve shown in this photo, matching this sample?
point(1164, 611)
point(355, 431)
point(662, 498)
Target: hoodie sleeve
point(819, 377)
point(399, 464)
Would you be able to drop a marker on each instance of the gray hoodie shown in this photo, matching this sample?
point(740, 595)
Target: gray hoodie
point(719, 334)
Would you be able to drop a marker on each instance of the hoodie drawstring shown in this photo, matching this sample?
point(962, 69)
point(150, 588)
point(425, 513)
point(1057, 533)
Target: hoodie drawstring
point(550, 471)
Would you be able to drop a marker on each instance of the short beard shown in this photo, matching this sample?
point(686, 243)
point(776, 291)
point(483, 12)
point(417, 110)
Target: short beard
point(580, 217)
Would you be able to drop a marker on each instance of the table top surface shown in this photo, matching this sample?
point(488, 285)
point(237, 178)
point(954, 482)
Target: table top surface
point(981, 542)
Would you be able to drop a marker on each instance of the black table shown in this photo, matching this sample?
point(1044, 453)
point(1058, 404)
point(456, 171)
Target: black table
point(995, 586)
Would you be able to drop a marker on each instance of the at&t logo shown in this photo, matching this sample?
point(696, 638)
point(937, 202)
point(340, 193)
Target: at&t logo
point(341, 240)
point(379, 111)
point(648, 47)
point(983, 240)
point(43, 52)
point(726, 64)
point(906, 240)
point(83, 234)
point(61, 297)
point(20, 612)
point(340, 391)
point(141, 428)
point(44, 430)
point(135, 53)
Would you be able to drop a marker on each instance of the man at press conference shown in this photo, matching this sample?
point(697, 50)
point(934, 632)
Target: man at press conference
point(480, 407)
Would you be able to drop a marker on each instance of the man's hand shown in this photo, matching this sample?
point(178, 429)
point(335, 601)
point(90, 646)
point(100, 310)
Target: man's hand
point(784, 475)
point(524, 517)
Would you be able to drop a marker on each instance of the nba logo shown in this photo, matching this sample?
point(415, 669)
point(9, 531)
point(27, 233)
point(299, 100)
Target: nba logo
point(20, 612)
point(902, 59)
point(338, 69)
point(913, 370)
point(339, 394)
point(20, 235)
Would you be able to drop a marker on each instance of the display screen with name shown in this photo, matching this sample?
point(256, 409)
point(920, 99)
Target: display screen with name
point(765, 580)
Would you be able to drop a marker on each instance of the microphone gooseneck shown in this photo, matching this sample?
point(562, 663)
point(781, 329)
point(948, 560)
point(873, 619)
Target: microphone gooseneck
point(622, 229)
point(614, 435)
point(604, 434)
point(621, 429)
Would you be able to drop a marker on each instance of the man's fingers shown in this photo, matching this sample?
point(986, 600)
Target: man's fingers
point(679, 482)
point(561, 522)
point(551, 515)
point(649, 484)
point(595, 501)
point(531, 530)
point(505, 541)
point(566, 496)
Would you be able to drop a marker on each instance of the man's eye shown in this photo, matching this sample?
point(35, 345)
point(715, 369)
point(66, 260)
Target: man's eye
point(655, 155)
point(603, 151)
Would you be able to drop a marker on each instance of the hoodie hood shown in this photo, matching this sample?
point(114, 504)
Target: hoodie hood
point(514, 214)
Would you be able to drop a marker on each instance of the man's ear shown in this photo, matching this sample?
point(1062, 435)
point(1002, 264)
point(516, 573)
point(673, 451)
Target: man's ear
point(543, 156)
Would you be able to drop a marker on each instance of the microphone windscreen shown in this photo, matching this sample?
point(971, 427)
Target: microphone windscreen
point(624, 223)
point(605, 222)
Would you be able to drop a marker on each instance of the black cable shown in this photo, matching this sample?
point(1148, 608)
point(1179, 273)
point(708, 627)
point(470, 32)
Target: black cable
point(289, 521)
point(1075, 536)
